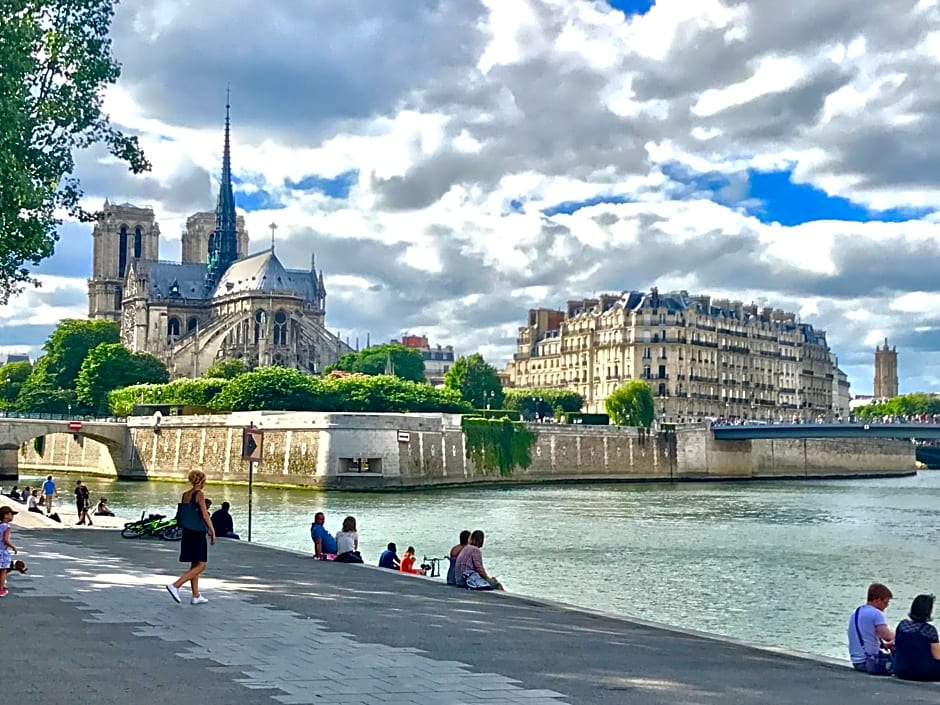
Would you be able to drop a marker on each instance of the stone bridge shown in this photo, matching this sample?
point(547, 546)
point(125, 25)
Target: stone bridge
point(749, 432)
point(15, 432)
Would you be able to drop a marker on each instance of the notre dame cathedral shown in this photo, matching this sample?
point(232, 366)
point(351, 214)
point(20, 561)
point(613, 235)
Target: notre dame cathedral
point(219, 302)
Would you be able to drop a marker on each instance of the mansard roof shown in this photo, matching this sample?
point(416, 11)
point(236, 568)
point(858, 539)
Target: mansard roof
point(167, 280)
point(263, 272)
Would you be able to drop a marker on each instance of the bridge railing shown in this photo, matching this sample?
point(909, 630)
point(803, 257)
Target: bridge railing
point(41, 416)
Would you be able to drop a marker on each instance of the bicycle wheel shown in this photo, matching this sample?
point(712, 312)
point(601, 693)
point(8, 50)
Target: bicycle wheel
point(132, 531)
point(174, 532)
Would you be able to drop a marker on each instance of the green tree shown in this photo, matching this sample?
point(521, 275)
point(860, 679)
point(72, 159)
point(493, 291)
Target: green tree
point(12, 377)
point(540, 401)
point(56, 62)
point(631, 405)
point(477, 382)
point(268, 388)
point(179, 392)
point(226, 369)
point(50, 386)
point(406, 363)
point(112, 366)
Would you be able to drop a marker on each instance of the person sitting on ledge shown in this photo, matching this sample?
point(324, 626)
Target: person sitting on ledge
point(469, 567)
point(347, 543)
point(869, 622)
point(223, 523)
point(25, 495)
point(102, 509)
point(389, 558)
point(452, 557)
point(32, 503)
point(408, 562)
point(14, 494)
point(916, 643)
point(324, 545)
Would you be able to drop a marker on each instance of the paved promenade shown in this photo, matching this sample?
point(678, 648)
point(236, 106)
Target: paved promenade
point(92, 623)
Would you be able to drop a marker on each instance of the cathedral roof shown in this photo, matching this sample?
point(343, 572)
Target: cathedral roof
point(173, 280)
point(263, 272)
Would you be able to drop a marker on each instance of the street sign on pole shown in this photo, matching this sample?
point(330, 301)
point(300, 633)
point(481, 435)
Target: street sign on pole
point(75, 426)
point(252, 447)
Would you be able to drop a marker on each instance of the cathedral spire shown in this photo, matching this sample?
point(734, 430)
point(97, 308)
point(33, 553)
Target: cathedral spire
point(223, 244)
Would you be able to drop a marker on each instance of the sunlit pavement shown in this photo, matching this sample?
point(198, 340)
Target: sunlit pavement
point(92, 622)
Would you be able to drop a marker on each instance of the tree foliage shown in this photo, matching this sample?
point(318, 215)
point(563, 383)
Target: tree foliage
point(179, 392)
point(56, 62)
point(904, 405)
point(631, 405)
point(542, 402)
point(226, 369)
point(12, 377)
point(112, 366)
point(498, 445)
point(477, 382)
point(407, 363)
point(50, 386)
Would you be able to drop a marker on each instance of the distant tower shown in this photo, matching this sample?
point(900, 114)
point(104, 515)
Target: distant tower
point(223, 243)
point(886, 372)
point(199, 228)
point(123, 233)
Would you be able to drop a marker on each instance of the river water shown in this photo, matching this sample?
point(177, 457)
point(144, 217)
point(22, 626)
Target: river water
point(781, 563)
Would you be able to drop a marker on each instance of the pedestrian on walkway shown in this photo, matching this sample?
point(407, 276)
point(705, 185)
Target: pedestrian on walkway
point(82, 500)
point(194, 518)
point(7, 549)
point(48, 492)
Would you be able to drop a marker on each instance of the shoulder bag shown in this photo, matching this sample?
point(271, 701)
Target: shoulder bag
point(188, 515)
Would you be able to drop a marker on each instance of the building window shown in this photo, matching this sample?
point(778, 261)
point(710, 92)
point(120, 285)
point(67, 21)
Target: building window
point(191, 325)
point(280, 328)
point(261, 320)
point(173, 328)
point(647, 373)
point(122, 251)
point(647, 353)
point(138, 242)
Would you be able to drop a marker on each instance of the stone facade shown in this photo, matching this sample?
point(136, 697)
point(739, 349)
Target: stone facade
point(886, 372)
point(400, 451)
point(702, 357)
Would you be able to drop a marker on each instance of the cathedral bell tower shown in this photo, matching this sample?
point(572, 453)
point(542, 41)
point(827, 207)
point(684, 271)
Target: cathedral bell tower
point(223, 243)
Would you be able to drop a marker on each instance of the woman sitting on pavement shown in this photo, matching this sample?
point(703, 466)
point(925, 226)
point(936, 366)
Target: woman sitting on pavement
point(102, 509)
point(916, 643)
point(469, 567)
point(347, 543)
point(452, 558)
point(408, 562)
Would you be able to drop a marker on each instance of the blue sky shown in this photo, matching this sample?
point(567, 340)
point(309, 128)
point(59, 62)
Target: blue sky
point(632, 7)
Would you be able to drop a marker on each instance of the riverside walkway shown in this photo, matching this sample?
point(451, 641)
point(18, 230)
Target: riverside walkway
point(92, 623)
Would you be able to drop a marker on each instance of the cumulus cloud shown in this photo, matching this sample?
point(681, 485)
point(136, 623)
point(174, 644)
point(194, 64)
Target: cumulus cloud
point(498, 155)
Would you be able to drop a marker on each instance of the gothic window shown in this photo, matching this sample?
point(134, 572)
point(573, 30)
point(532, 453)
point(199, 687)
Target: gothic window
point(280, 328)
point(138, 242)
point(122, 251)
point(173, 328)
point(191, 325)
point(261, 320)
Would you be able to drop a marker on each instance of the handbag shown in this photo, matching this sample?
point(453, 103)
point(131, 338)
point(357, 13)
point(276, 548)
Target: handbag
point(189, 517)
point(880, 664)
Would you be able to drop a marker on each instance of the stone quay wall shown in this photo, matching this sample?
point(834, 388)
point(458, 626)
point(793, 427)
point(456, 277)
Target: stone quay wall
point(399, 451)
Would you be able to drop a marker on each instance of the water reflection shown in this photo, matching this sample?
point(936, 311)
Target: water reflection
point(758, 561)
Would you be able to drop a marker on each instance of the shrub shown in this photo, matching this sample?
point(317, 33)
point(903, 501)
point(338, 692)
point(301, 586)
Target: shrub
point(498, 445)
point(195, 392)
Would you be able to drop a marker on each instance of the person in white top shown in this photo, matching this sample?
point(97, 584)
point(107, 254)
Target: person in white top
point(32, 502)
point(347, 543)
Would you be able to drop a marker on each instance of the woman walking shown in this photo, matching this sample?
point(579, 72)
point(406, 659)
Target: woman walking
point(193, 517)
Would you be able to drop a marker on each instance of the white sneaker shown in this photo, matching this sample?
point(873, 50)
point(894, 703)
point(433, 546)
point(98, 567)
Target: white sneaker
point(174, 593)
point(198, 600)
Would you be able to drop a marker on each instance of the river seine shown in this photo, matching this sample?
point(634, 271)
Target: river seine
point(780, 563)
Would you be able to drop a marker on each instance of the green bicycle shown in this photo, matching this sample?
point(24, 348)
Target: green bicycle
point(153, 525)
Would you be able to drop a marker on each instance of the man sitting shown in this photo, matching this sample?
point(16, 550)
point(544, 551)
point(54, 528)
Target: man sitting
point(222, 522)
point(389, 558)
point(32, 502)
point(324, 545)
point(872, 626)
point(469, 570)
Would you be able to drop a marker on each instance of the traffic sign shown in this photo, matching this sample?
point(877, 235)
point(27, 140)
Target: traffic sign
point(404, 436)
point(75, 425)
point(252, 442)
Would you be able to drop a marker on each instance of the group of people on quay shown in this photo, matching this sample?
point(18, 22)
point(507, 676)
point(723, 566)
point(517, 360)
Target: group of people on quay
point(911, 651)
point(40, 500)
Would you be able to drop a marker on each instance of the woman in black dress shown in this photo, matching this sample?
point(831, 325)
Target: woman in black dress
point(193, 549)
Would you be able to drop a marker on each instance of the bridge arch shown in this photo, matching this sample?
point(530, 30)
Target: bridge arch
point(67, 450)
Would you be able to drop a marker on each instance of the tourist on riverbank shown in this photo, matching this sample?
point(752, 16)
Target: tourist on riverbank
point(469, 569)
point(463, 540)
point(7, 549)
point(408, 562)
point(916, 643)
point(324, 545)
point(347, 543)
point(389, 558)
point(102, 509)
point(868, 630)
point(49, 492)
point(223, 522)
point(82, 504)
point(194, 518)
point(32, 504)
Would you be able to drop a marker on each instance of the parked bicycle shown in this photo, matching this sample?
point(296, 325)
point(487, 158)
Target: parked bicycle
point(153, 525)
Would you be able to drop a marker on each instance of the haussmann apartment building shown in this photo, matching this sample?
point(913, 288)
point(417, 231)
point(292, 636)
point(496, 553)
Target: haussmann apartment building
point(702, 357)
